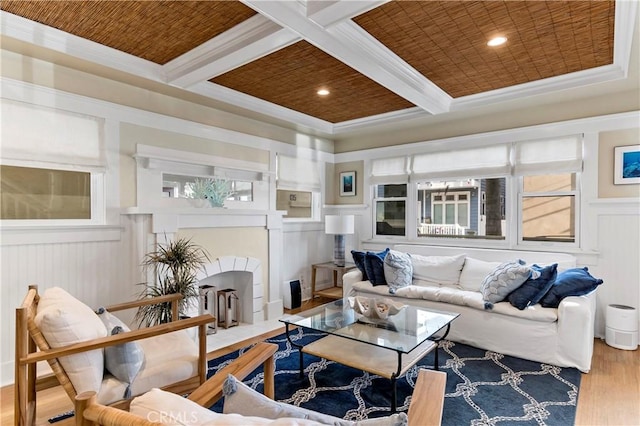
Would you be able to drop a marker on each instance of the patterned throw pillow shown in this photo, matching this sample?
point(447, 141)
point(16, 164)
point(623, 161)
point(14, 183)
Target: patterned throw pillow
point(503, 280)
point(125, 360)
point(373, 263)
point(398, 270)
point(533, 290)
point(572, 282)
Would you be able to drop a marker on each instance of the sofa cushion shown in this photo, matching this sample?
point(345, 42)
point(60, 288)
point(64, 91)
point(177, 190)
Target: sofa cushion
point(412, 295)
point(503, 280)
point(572, 282)
point(359, 260)
point(374, 265)
point(64, 320)
point(437, 270)
point(398, 270)
point(125, 360)
point(474, 272)
point(533, 290)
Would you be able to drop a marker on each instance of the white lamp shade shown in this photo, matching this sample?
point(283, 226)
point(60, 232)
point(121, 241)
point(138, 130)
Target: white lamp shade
point(339, 225)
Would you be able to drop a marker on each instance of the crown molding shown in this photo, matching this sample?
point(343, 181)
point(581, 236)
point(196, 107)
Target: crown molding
point(37, 34)
point(327, 25)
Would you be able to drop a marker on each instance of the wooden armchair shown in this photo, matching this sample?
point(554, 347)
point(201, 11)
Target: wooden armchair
point(425, 409)
point(32, 347)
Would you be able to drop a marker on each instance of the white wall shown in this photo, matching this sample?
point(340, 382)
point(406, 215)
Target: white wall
point(101, 265)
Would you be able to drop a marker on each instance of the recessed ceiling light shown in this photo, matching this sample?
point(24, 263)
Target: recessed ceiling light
point(497, 41)
point(323, 92)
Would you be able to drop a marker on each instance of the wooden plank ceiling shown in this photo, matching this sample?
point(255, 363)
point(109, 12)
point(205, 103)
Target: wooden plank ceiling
point(444, 41)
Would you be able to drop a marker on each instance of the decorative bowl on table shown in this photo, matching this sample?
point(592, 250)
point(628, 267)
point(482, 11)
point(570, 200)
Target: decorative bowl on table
point(375, 308)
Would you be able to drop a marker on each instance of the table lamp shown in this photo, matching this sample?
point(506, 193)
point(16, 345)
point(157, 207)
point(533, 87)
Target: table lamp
point(339, 226)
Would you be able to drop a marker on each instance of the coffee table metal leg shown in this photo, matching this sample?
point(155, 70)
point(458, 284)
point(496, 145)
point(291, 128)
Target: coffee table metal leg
point(394, 387)
point(436, 364)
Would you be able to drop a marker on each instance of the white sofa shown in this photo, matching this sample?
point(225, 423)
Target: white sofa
point(561, 337)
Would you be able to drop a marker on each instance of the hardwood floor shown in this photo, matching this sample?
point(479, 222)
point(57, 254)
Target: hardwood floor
point(609, 394)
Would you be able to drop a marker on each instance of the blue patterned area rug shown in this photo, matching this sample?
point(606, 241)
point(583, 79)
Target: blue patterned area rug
point(483, 387)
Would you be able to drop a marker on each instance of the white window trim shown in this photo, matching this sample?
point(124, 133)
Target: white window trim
point(407, 229)
point(578, 206)
point(98, 197)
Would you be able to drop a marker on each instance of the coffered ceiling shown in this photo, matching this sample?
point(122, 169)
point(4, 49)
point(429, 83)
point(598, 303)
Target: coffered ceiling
point(379, 60)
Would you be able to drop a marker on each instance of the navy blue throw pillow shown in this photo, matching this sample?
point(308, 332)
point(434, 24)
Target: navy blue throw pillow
point(533, 290)
point(374, 265)
point(572, 282)
point(358, 259)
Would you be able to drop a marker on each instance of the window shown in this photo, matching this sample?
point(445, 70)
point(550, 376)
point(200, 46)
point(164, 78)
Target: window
point(298, 187)
point(459, 208)
point(390, 209)
point(53, 166)
point(179, 186)
point(549, 207)
point(29, 193)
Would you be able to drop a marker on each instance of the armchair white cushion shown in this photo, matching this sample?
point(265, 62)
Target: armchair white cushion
point(64, 320)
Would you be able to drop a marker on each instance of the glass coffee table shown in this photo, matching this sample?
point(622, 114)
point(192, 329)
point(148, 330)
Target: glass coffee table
point(386, 347)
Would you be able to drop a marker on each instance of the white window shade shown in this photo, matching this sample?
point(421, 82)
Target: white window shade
point(477, 162)
point(389, 170)
point(549, 156)
point(36, 133)
point(298, 174)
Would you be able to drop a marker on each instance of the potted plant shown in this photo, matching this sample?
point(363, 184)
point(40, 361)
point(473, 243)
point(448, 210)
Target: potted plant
point(214, 190)
point(175, 267)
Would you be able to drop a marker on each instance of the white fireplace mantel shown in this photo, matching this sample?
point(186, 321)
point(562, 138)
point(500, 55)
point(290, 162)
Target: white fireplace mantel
point(167, 221)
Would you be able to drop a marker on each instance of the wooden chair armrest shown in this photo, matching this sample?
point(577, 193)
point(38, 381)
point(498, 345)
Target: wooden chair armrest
point(210, 391)
point(143, 302)
point(117, 339)
point(89, 412)
point(427, 400)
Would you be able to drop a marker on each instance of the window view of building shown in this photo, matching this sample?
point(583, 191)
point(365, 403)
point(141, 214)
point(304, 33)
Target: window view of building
point(467, 208)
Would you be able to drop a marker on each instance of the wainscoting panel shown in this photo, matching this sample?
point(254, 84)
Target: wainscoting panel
point(618, 263)
point(97, 272)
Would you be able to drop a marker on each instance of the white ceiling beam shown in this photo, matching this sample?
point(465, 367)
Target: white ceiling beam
point(250, 40)
point(345, 42)
point(327, 13)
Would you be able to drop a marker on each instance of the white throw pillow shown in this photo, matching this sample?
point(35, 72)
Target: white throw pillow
point(474, 272)
point(437, 270)
point(241, 399)
point(171, 409)
point(64, 320)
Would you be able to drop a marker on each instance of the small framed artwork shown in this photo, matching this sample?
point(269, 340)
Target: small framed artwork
point(626, 165)
point(347, 184)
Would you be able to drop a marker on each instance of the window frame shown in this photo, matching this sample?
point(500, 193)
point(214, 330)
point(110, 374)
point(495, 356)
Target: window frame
point(512, 206)
point(97, 195)
point(374, 204)
point(577, 213)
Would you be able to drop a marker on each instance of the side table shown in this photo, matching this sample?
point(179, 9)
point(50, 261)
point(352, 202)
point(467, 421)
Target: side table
point(334, 292)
